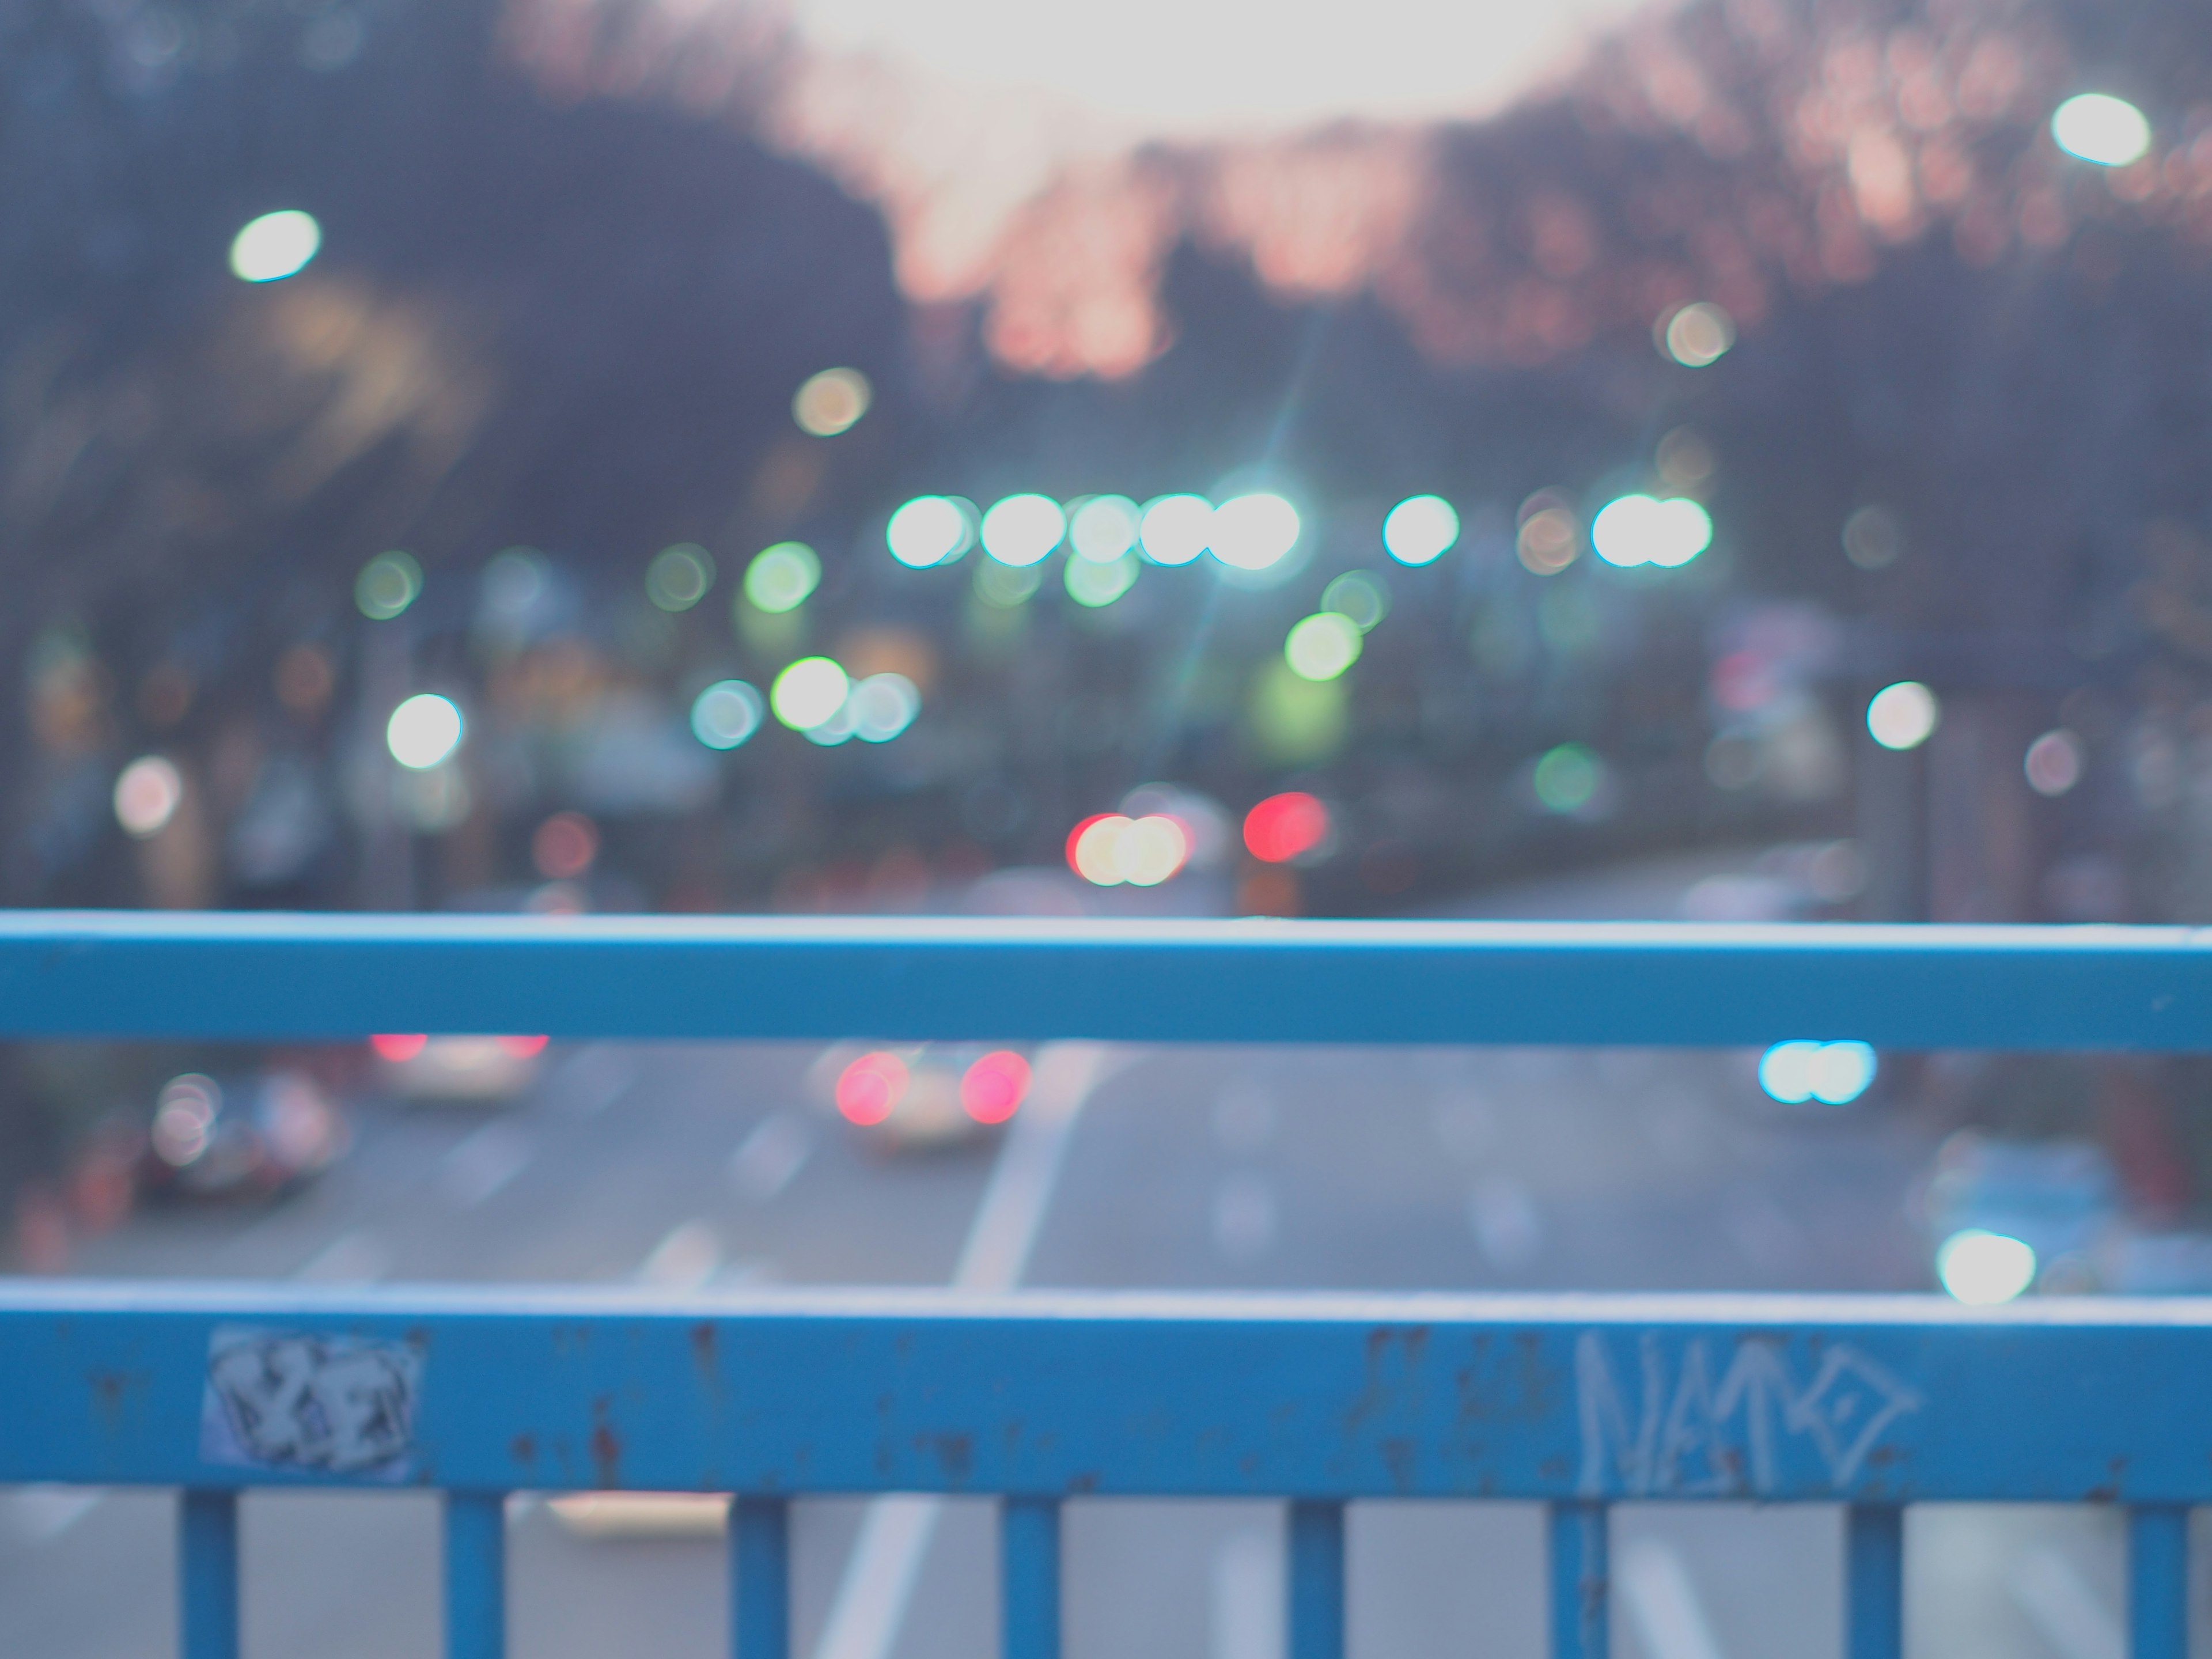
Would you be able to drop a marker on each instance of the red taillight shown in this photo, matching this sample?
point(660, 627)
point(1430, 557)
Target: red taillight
point(398, 1046)
point(522, 1047)
point(870, 1087)
point(1284, 827)
point(993, 1089)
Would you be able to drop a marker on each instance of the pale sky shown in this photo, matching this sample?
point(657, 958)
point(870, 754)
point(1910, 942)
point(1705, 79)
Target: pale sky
point(1213, 68)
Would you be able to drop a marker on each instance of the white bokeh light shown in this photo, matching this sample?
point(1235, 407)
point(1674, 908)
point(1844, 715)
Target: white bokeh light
point(883, 706)
point(1420, 529)
point(2096, 126)
point(1255, 531)
point(808, 693)
point(1176, 529)
point(726, 713)
point(1022, 530)
point(1105, 528)
point(1983, 1269)
point(1903, 715)
point(929, 530)
point(147, 795)
point(423, 731)
point(1645, 530)
point(275, 246)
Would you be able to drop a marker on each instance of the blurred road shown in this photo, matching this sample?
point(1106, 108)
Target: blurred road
point(704, 1165)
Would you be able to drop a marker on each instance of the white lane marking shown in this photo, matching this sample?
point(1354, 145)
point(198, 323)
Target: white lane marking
point(592, 1079)
point(359, 1257)
point(683, 1261)
point(1663, 1602)
point(473, 1169)
point(2048, 1588)
point(886, 1561)
point(1247, 1601)
point(40, 1514)
point(770, 1157)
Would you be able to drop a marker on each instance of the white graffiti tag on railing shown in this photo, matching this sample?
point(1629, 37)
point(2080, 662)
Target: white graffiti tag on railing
point(1698, 1435)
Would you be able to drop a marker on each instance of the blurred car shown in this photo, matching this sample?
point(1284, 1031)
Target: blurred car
point(482, 1069)
point(245, 1137)
point(2009, 1216)
point(923, 1095)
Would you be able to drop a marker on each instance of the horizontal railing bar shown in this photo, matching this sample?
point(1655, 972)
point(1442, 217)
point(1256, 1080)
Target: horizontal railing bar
point(1878, 1401)
point(245, 975)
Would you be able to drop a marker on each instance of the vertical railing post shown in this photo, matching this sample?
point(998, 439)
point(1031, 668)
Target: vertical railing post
point(760, 1578)
point(1317, 1580)
point(207, 1574)
point(2158, 1582)
point(1028, 1578)
point(1579, 1628)
point(1874, 1581)
point(475, 1575)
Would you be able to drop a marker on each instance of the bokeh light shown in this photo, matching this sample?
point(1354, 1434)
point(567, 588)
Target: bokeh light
point(1105, 528)
point(992, 1088)
point(1176, 529)
point(726, 713)
point(1549, 541)
point(275, 245)
point(1566, 779)
point(1903, 715)
point(1359, 597)
point(147, 793)
point(1420, 529)
point(1322, 646)
point(2096, 126)
point(679, 576)
point(1253, 533)
point(831, 402)
point(1022, 530)
point(1697, 335)
point(1109, 849)
point(870, 1089)
point(1285, 827)
point(1983, 1268)
point(883, 706)
point(1645, 530)
point(565, 845)
point(783, 577)
point(423, 731)
point(930, 529)
point(808, 692)
point(1096, 585)
point(387, 584)
point(2054, 762)
point(1872, 540)
point(1833, 1073)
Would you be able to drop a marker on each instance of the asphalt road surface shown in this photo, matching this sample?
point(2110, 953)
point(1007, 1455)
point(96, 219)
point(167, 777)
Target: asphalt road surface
point(698, 1166)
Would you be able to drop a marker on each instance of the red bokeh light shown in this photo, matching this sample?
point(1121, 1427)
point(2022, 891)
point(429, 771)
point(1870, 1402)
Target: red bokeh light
point(1282, 827)
point(398, 1046)
point(993, 1088)
point(523, 1047)
point(565, 845)
point(870, 1087)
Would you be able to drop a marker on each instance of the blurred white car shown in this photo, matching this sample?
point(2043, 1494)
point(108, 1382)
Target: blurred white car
point(483, 1069)
point(920, 1096)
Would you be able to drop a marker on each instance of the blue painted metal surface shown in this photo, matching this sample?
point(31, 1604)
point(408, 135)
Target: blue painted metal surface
point(1873, 1582)
point(1871, 1399)
point(109, 973)
point(760, 1578)
point(207, 1575)
point(1028, 1578)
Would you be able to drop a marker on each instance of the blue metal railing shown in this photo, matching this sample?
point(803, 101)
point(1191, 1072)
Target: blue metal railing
point(1582, 1402)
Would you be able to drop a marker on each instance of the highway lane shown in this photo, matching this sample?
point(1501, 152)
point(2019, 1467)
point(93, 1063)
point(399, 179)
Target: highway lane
point(689, 1165)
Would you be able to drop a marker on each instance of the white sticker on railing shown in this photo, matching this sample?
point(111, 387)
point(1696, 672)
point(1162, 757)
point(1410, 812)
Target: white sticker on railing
point(337, 1405)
